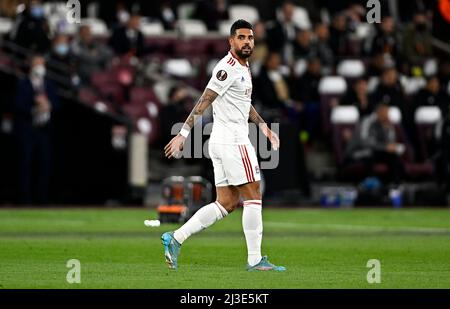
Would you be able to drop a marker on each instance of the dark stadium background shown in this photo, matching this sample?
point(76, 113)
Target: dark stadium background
point(104, 114)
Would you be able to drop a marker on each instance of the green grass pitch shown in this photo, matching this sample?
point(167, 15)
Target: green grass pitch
point(320, 248)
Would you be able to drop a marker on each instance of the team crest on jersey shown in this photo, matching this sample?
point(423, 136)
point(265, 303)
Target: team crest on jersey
point(257, 169)
point(221, 75)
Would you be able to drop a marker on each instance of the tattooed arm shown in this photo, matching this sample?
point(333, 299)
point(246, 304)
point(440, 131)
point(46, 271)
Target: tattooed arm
point(203, 103)
point(272, 136)
point(174, 147)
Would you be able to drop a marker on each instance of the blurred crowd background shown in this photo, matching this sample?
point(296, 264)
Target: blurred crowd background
point(86, 108)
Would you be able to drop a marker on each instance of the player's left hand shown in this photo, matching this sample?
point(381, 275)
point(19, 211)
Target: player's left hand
point(273, 137)
point(174, 147)
point(274, 140)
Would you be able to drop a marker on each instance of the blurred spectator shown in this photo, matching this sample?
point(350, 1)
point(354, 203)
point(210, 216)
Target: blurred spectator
point(322, 46)
point(129, 39)
point(306, 87)
point(175, 111)
point(358, 96)
point(35, 102)
point(375, 141)
point(443, 158)
point(303, 47)
point(61, 64)
point(281, 34)
point(386, 40)
point(444, 74)
point(260, 50)
point(389, 91)
point(31, 30)
point(432, 95)
point(90, 55)
point(211, 12)
point(306, 90)
point(377, 65)
point(417, 39)
point(270, 87)
point(115, 12)
point(168, 15)
point(339, 40)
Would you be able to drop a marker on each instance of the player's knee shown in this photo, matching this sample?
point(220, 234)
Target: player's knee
point(229, 205)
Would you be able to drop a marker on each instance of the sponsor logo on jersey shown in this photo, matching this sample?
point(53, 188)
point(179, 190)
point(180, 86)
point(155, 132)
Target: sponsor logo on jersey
point(221, 75)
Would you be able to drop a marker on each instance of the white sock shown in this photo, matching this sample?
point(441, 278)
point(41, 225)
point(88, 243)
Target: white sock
point(253, 229)
point(203, 218)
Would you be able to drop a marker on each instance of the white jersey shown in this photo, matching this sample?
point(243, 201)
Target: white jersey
point(232, 82)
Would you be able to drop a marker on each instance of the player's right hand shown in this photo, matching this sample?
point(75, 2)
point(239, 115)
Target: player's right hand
point(174, 147)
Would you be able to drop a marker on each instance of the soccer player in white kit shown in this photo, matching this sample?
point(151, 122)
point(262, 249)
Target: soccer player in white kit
point(236, 169)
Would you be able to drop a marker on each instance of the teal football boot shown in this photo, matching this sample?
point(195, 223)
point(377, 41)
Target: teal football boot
point(171, 249)
point(265, 265)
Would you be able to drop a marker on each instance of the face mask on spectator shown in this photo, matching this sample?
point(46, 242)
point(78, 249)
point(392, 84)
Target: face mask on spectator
point(62, 49)
point(37, 11)
point(38, 71)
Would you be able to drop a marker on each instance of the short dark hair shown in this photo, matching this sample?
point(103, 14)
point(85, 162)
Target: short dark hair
point(240, 24)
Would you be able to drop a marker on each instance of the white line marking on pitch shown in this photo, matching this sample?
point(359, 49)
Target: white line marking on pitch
point(359, 227)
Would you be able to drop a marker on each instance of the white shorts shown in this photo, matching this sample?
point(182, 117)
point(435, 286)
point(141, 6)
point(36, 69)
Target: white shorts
point(234, 165)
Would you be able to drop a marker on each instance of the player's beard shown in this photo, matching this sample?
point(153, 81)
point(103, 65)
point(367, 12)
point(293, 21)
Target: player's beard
point(244, 54)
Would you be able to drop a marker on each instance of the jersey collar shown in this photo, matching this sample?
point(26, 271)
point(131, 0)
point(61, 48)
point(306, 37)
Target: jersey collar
point(237, 60)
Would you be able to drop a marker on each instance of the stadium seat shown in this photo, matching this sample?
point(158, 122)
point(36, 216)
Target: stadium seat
point(331, 88)
point(98, 26)
point(178, 68)
point(5, 25)
point(412, 85)
point(145, 119)
point(426, 118)
point(344, 115)
point(101, 78)
point(59, 24)
point(430, 67)
point(395, 115)
point(300, 18)
point(162, 89)
point(192, 48)
point(332, 85)
point(300, 67)
point(241, 11)
point(220, 47)
point(210, 66)
point(224, 27)
point(363, 30)
point(351, 68)
point(113, 92)
point(152, 28)
point(143, 95)
point(191, 27)
point(343, 120)
point(372, 84)
point(55, 7)
point(88, 96)
point(185, 10)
